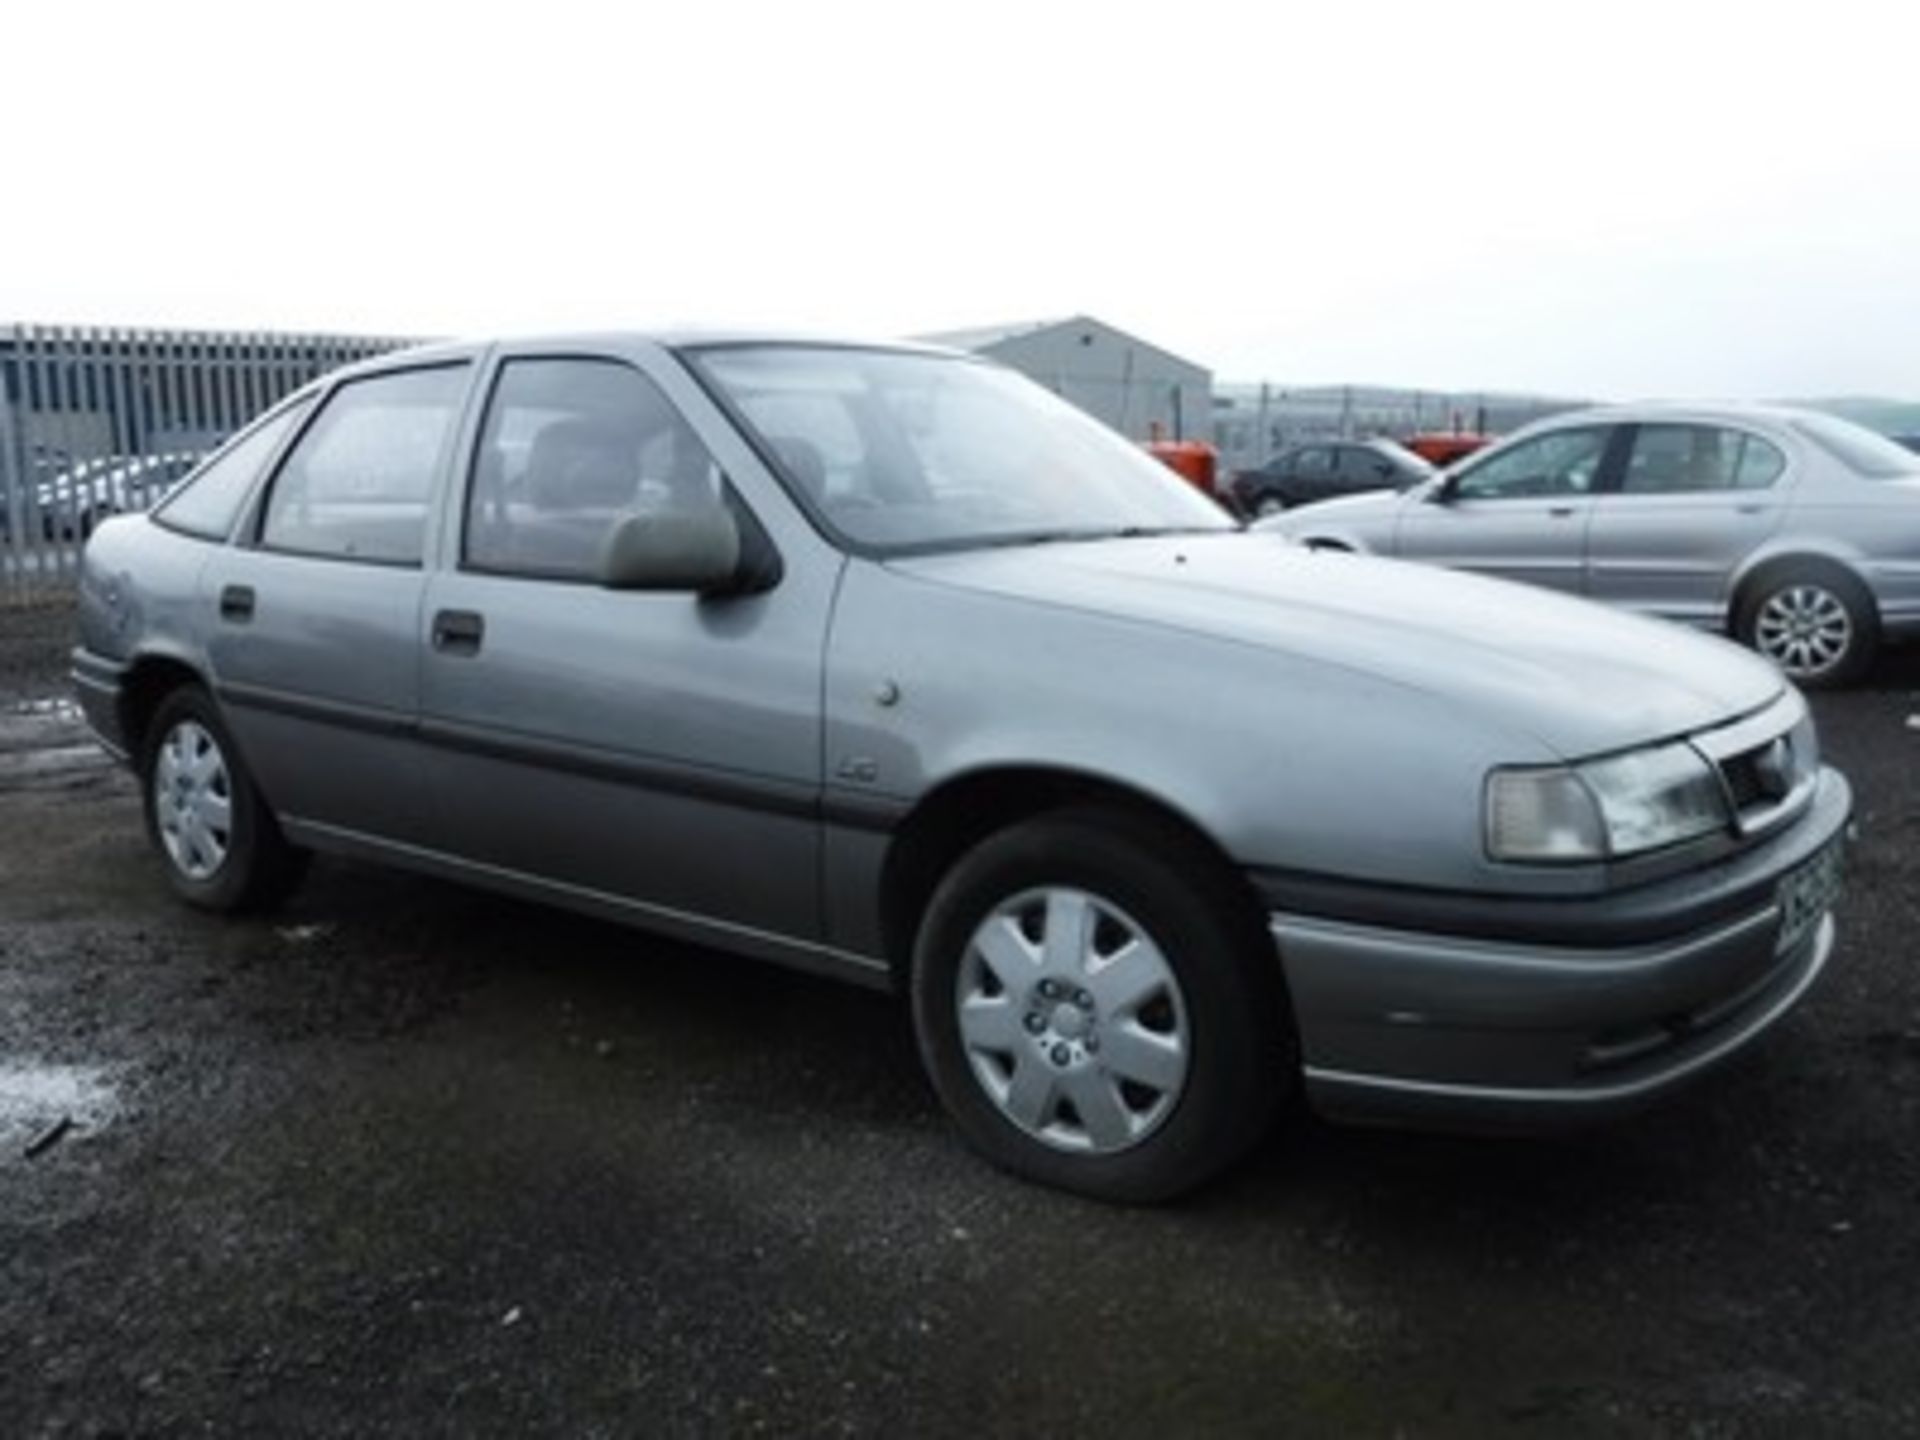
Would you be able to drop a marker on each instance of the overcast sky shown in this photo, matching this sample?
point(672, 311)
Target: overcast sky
point(1617, 200)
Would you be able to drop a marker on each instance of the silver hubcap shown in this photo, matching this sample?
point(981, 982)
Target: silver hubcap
point(1804, 629)
point(193, 800)
point(1072, 1021)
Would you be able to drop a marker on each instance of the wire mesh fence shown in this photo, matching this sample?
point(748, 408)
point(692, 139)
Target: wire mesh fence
point(97, 421)
point(1254, 423)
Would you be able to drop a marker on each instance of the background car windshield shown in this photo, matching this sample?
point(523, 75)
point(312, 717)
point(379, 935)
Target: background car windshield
point(899, 452)
point(1858, 448)
point(1403, 457)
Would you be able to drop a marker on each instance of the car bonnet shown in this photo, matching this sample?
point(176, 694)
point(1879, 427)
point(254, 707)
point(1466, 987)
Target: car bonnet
point(1581, 678)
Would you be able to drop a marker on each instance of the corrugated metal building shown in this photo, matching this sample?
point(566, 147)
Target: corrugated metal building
point(1116, 377)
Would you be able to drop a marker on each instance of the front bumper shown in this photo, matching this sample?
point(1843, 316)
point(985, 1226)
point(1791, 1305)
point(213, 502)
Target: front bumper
point(1618, 1000)
point(99, 684)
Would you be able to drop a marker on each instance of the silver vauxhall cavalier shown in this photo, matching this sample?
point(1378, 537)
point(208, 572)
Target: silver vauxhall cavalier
point(883, 662)
point(1797, 532)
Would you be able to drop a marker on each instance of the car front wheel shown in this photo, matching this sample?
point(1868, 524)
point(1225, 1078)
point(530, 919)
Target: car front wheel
point(1099, 1008)
point(219, 843)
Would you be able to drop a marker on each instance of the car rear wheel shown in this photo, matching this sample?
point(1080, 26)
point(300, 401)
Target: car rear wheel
point(1099, 1009)
point(1816, 622)
point(219, 844)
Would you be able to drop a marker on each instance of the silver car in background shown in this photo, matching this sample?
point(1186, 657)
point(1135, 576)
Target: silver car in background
point(1795, 531)
point(885, 663)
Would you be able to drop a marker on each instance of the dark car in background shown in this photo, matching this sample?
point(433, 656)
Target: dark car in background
point(1306, 473)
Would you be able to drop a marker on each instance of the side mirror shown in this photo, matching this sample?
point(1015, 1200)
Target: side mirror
point(697, 550)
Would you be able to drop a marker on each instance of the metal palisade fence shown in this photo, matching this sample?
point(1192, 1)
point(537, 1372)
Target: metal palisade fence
point(96, 421)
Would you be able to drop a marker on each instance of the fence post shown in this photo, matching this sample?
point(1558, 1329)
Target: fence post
point(13, 466)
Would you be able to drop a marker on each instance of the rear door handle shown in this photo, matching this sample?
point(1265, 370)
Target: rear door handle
point(458, 632)
point(236, 603)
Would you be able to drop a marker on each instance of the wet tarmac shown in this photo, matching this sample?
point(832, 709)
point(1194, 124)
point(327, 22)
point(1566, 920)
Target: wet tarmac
point(408, 1159)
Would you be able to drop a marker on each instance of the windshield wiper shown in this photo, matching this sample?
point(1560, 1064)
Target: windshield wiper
point(1063, 536)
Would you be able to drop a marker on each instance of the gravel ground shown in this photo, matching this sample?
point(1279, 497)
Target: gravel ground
point(410, 1159)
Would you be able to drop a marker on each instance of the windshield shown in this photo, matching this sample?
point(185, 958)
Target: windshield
point(896, 452)
point(1418, 467)
point(1858, 448)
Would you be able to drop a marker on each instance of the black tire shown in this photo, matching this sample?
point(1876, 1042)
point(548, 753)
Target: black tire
point(1815, 587)
point(257, 868)
point(1234, 1022)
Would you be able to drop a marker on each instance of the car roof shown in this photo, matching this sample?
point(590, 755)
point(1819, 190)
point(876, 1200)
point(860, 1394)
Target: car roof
point(1709, 411)
point(678, 338)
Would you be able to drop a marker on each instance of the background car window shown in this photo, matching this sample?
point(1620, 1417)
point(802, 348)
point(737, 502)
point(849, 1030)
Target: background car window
point(1859, 449)
point(209, 503)
point(1361, 462)
point(356, 484)
point(1313, 462)
point(568, 448)
point(1682, 459)
point(1564, 462)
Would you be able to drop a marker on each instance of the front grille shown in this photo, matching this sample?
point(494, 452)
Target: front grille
point(1744, 784)
point(1762, 779)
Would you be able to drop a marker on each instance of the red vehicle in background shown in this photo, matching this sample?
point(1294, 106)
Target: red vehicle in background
point(1443, 447)
point(1194, 461)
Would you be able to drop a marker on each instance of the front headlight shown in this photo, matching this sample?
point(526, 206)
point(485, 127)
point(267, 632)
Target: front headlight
point(1604, 809)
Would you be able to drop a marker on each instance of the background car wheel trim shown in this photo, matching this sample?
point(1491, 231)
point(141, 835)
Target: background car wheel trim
point(193, 800)
point(1072, 1021)
point(1805, 629)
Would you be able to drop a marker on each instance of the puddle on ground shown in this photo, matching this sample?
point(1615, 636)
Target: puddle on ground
point(29, 724)
point(34, 1097)
point(45, 738)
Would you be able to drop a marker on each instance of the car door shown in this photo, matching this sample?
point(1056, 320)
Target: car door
point(1521, 513)
point(1361, 469)
point(1307, 474)
point(1688, 504)
point(313, 616)
point(654, 750)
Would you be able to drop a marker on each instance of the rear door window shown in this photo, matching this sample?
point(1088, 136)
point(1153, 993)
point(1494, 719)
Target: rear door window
point(357, 483)
point(1313, 464)
point(1691, 459)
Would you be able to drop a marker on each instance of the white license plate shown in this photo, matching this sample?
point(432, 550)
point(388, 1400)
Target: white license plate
point(1806, 895)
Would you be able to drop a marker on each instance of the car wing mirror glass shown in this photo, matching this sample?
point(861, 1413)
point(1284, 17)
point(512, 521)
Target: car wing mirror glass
point(696, 550)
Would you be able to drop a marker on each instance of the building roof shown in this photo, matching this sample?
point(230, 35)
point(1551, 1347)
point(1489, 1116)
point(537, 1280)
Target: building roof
point(984, 337)
point(987, 337)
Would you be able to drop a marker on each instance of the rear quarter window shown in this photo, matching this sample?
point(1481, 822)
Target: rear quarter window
point(1859, 449)
point(208, 503)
